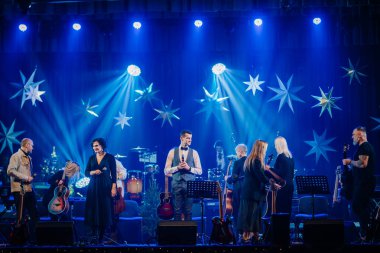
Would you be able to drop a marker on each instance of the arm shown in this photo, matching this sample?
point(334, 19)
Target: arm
point(112, 164)
point(361, 163)
point(169, 170)
point(197, 170)
point(14, 163)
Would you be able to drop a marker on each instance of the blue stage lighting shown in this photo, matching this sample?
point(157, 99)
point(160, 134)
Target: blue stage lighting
point(137, 25)
point(198, 23)
point(77, 26)
point(133, 70)
point(258, 22)
point(22, 27)
point(218, 68)
point(317, 21)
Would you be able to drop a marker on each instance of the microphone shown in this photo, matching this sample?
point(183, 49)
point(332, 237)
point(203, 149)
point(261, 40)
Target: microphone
point(183, 157)
point(232, 157)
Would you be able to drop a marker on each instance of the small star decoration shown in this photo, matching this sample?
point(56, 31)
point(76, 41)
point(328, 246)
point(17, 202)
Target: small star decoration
point(254, 84)
point(122, 120)
point(146, 94)
point(8, 136)
point(166, 113)
point(320, 146)
point(90, 108)
point(326, 101)
point(353, 72)
point(211, 103)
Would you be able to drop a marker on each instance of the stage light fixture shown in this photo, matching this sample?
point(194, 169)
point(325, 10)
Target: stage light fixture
point(258, 22)
point(317, 21)
point(133, 70)
point(218, 68)
point(22, 27)
point(198, 23)
point(77, 26)
point(137, 25)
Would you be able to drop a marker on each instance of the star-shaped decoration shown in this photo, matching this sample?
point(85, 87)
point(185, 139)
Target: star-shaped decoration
point(378, 121)
point(25, 86)
point(146, 94)
point(353, 72)
point(326, 101)
point(320, 146)
point(166, 113)
point(8, 136)
point(286, 93)
point(211, 103)
point(254, 84)
point(122, 120)
point(90, 108)
point(34, 94)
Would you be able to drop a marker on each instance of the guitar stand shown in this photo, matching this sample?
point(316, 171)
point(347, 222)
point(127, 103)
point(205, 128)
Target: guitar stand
point(202, 190)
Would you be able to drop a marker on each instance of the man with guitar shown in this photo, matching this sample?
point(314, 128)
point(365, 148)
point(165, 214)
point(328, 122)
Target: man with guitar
point(182, 163)
point(363, 169)
point(20, 172)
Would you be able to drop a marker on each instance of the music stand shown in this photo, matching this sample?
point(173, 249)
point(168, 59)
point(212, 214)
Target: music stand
point(202, 190)
point(312, 185)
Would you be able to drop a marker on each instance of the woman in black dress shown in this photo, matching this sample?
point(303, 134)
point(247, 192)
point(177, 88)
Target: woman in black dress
point(253, 192)
point(101, 168)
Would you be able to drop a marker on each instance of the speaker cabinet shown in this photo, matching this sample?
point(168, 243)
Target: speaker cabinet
point(280, 229)
point(177, 233)
point(317, 233)
point(55, 233)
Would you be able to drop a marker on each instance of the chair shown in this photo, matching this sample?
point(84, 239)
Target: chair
point(305, 210)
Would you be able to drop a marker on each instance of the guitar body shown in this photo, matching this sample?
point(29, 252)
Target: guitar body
point(165, 210)
point(119, 203)
point(222, 231)
point(59, 203)
point(346, 177)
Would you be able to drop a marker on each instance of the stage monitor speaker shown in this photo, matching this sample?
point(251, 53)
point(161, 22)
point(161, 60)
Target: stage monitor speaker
point(177, 233)
point(320, 233)
point(55, 233)
point(280, 229)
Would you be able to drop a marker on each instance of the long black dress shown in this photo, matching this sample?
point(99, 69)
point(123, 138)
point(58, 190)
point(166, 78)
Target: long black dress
point(99, 202)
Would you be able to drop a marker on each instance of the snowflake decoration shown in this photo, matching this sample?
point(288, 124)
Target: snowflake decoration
point(25, 87)
point(320, 146)
point(166, 113)
point(254, 84)
point(286, 93)
point(353, 72)
point(211, 103)
point(122, 120)
point(326, 101)
point(9, 137)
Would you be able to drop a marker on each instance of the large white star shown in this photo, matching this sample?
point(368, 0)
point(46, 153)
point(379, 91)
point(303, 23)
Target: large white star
point(286, 93)
point(211, 103)
point(34, 94)
point(122, 120)
point(353, 72)
point(166, 113)
point(378, 121)
point(8, 136)
point(320, 146)
point(326, 101)
point(146, 94)
point(90, 108)
point(25, 86)
point(254, 84)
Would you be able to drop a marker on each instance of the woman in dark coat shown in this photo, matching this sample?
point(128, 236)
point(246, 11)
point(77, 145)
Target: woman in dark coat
point(253, 192)
point(101, 168)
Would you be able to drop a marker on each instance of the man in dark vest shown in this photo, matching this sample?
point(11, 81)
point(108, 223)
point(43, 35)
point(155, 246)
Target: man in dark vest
point(182, 163)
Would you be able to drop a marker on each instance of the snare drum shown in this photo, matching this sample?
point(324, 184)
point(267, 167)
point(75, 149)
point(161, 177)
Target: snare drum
point(134, 183)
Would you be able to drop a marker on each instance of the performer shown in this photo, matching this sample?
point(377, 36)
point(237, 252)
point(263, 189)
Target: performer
point(363, 169)
point(101, 168)
point(20, 171)
point(182, 163)
point(253, 192)
point(236, 179)
point(283, 171)
point(61, 177)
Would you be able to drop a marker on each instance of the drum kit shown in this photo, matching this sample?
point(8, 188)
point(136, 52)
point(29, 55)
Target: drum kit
point(138, 179)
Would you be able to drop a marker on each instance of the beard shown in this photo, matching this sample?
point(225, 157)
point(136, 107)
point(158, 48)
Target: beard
point(354, 142)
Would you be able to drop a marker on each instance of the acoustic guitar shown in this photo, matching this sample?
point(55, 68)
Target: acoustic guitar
point(165, 210)
point(222, 232)
point(59, 203)
point(19, 232)
point(346, 177)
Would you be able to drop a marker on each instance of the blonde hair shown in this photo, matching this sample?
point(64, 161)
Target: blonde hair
point(258, 151)
point(281, 146)
point(71, 169)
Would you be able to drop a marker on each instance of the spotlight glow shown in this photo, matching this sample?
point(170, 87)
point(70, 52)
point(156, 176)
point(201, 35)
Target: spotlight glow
point(218, 68)
point(258, 22)
point(198, 23)
point(133, 70)
point(317, 21)
point(137, 25)
point(77, 26)
point(22, 27)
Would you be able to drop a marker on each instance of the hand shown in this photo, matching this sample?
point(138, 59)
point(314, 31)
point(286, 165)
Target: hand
point(183, 165)
point(30, 179)
point(113, 192)
point(346, 161)
point(267, 167)
point(60, 182)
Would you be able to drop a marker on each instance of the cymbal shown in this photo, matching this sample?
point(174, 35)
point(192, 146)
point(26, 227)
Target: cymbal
point(139, 149)
point(120, 156)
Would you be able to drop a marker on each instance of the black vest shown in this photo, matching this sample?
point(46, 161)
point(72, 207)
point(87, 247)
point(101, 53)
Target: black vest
point(183, 174)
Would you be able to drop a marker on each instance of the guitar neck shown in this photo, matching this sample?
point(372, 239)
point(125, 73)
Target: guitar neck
point(166, 186)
